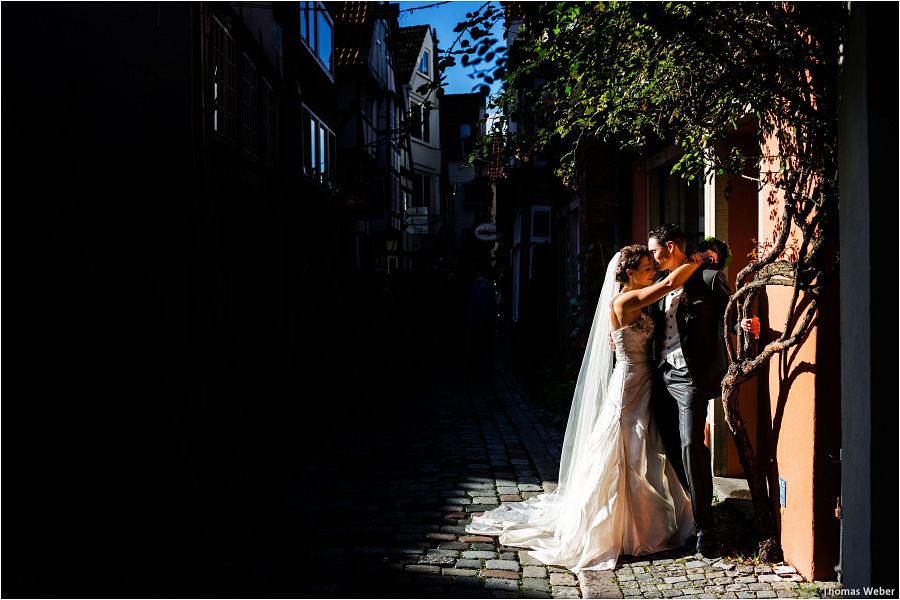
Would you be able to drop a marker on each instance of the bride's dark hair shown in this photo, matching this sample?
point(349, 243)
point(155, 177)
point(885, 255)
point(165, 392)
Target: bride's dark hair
point(630, 258)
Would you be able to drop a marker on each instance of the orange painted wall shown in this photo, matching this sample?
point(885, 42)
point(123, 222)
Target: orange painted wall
point(800, 407)
point(788, 409)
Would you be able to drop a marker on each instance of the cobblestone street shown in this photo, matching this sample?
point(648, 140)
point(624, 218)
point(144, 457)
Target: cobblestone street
point(397, 526)
point(369, 493)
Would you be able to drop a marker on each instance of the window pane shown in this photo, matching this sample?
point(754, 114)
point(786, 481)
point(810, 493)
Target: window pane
point(415, 121)
point(267, 121)
point(249, 110)
point(540, 226)
point(323, 47)
point(224, 81)
point(304, 25)
point(309, 147)
point(331, 155)
point(217, 98)
point(311, 24)
point(426, 125)
point(323, 150)
point(423, 64)
point(230, 88)
point(417, 190)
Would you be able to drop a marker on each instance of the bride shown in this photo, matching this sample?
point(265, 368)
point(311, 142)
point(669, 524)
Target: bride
point(617, 493)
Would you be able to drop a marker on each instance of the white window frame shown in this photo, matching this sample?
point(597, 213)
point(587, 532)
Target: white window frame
point(310, 38)
point(323, 136)
point(425, 59)
point(420, 128)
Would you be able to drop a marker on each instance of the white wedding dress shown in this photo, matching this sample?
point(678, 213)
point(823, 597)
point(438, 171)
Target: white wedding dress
point(618, 493)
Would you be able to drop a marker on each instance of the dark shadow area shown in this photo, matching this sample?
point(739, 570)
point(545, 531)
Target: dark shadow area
point(212, 399)
point(314, 475)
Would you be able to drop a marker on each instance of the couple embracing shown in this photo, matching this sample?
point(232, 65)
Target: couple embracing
point(635, 475)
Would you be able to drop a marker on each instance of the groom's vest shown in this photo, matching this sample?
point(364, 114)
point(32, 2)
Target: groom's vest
point(699, 317)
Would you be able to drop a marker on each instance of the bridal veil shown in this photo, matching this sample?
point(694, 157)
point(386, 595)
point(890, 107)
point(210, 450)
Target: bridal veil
point(556, 519)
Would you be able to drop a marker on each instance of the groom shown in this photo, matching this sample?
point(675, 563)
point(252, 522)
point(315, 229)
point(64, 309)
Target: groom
point(692, 362)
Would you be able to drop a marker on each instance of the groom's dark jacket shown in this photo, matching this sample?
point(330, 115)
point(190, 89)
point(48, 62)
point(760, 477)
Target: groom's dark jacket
point(700, 319)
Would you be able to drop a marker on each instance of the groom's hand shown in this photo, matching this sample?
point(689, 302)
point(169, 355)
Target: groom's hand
point(610, 341)
point(710, 256)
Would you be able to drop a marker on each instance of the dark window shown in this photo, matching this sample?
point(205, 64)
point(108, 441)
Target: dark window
point(421, 190)
point(415, 120)
point(267, 122)
point(248, 119)
point(224, 81)
point(249, 106)
point(540, 223)
point(420, 122)
point(424, 63)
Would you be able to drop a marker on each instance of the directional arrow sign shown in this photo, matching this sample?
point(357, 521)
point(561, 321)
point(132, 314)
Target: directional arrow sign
point(417, 211)
point(417, 220)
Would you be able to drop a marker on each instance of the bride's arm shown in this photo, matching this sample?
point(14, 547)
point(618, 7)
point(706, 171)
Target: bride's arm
point(636, 299)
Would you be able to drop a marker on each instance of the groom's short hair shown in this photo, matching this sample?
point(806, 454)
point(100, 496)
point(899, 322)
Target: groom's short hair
point(669, 233)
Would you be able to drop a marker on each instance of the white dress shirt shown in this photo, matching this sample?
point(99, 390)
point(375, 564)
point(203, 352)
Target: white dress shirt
point(671, 351)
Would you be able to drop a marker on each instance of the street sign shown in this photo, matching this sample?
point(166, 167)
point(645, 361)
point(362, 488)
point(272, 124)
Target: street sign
point(417, 229)
point(418, 211)
point(417, 220)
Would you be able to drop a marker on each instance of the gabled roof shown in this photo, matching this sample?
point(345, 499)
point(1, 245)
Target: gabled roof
point(407, 44)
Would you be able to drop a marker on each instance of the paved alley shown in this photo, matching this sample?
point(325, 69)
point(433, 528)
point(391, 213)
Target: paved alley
point(396, 527)
point(370, 494)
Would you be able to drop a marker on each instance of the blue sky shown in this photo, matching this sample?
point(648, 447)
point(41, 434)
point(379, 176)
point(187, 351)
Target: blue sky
point(444, 18)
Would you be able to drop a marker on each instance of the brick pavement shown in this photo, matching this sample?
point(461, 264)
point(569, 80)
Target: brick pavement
point(396, 527)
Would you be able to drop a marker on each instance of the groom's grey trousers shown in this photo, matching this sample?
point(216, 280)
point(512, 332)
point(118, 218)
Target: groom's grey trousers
point(678, 401)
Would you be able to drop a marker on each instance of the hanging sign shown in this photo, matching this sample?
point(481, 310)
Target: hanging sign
point(486, 232)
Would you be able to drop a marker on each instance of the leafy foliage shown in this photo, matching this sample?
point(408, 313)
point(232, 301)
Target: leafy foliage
point(633, 73)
